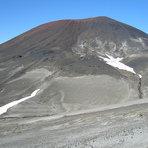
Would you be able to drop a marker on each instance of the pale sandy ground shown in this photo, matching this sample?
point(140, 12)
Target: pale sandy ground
point(111, 127)
point(67, 94)
point(76, 120)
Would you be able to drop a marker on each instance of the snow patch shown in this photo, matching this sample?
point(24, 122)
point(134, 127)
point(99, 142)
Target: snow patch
point(140, 76)
point(115, 62)
point(4, 108)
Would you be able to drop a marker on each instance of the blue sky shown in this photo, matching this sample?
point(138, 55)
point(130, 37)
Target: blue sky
point(19, 16)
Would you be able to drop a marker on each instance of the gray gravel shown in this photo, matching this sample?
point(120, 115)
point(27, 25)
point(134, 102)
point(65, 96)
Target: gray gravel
point(112, 128)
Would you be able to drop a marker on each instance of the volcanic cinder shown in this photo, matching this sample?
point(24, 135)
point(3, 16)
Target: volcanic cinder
point(75, 67)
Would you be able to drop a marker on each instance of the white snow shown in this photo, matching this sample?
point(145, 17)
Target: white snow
point(4, 108)
point(115, 62)
point(140, 76)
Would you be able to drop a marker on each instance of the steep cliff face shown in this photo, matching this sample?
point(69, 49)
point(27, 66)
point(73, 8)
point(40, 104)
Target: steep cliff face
point(76, 64)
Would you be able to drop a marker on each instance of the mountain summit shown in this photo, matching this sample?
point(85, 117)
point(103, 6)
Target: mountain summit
point(99, 33)
point(76, 64)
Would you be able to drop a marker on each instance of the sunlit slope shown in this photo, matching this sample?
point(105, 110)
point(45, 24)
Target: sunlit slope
point(74, 64)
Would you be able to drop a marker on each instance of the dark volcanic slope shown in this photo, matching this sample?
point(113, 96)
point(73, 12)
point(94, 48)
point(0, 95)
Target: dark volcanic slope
point(62, 59)
point(63, 35)
point(56, 41)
